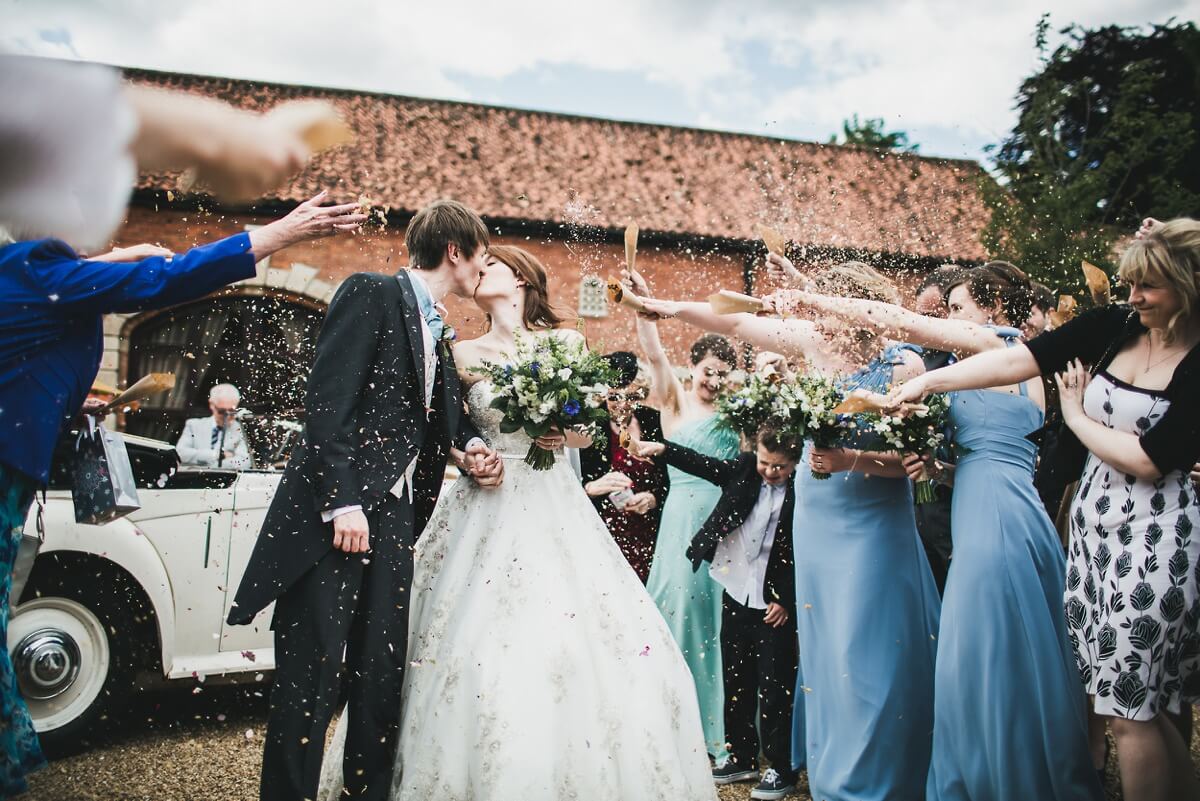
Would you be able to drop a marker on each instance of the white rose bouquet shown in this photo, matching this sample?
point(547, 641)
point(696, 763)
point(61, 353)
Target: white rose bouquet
point(766, 399)
point(922, 430)
point(813, 417)
point(551, 383)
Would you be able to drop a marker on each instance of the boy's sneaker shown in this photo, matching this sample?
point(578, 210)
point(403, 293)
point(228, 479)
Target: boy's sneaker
point(773, 786)
point(729, 772)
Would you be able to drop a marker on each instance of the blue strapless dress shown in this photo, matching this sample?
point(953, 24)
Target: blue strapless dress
point(1010, 717)
point(867, 618)
point(689, 600)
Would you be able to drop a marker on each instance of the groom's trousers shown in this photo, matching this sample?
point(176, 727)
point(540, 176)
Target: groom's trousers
point(356, 603)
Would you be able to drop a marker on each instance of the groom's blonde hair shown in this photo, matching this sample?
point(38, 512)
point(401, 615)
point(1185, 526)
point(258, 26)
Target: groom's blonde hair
point(437, 226)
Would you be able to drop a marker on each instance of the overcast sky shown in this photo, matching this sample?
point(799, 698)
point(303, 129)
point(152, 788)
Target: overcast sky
point(945, 71)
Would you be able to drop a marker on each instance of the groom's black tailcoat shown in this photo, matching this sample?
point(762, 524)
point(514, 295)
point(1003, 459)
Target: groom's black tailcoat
point(366, 421)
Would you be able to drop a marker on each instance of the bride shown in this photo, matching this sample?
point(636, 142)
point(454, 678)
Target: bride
point(539, 668)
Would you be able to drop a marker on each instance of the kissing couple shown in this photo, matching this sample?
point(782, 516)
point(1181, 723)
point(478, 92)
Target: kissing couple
point(494, 644)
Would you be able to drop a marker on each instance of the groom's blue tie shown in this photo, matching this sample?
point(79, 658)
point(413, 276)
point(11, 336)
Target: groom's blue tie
point(428, 311)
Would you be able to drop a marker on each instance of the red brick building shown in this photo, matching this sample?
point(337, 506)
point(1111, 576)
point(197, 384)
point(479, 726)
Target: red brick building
point(563, 187)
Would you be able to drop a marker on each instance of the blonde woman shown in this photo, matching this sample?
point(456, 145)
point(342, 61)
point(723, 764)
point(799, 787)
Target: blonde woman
point(1132, 588)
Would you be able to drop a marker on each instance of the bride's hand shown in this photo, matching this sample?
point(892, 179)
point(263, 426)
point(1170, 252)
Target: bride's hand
point(551, 440)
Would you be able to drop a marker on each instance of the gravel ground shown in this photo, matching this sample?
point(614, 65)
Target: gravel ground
point(176, 745)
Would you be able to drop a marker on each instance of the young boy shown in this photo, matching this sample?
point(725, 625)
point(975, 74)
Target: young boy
point(748, 542)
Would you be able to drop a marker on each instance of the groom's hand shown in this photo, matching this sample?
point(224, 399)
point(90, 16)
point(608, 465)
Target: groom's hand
point(350, 532)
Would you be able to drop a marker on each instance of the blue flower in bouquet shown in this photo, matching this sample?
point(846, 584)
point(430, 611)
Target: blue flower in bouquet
point(553, 383)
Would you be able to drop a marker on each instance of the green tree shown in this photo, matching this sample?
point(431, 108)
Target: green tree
point(870, 133)
point(1107, 133)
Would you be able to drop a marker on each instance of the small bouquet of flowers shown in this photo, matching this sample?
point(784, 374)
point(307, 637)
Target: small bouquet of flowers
point(551, 383)
point(766, 399)
point(920, 431)
point(814, 417)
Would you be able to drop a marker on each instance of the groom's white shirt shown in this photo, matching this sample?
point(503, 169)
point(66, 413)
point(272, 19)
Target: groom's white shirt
point(405, 481)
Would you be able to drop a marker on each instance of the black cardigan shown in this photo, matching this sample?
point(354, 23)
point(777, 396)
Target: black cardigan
point(595, 462)
point(739, 481)
point(1095, 338)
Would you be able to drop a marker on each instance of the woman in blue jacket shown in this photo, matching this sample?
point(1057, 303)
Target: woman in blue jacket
point(52, 304)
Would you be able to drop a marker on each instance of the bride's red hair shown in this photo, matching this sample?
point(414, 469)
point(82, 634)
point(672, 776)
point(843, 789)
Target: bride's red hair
point(539, 312)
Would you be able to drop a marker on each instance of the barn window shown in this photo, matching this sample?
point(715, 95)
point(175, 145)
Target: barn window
point(262, 344)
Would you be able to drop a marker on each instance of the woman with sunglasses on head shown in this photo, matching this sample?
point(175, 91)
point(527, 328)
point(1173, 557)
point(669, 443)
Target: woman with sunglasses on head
point(1132, 585)
point(628, 493)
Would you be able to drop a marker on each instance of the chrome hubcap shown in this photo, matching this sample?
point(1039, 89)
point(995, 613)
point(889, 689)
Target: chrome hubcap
point(47, 663)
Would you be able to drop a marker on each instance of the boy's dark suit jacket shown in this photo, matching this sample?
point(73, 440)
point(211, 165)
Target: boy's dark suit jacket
point(740, 482)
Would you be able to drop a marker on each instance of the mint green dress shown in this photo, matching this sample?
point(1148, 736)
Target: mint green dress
point(690, 600)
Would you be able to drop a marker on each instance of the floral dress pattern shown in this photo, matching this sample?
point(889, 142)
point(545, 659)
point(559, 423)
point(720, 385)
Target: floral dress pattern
point(1133, 577)
point(20, 753)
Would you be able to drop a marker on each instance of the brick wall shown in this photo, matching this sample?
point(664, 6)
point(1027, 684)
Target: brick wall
point(314, 270)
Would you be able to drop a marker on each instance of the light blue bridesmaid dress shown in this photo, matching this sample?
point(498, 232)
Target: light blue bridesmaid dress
point(1010, 716)
point(867, 618)
point(690, 600)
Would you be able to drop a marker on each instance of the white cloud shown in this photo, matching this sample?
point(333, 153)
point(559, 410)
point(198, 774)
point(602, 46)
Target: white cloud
point(931, 64)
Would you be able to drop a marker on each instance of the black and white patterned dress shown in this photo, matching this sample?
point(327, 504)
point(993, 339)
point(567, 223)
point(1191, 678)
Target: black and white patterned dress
point(1133, 576)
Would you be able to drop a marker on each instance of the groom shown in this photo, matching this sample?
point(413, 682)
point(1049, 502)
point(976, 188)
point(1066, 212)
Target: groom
point(335, 552)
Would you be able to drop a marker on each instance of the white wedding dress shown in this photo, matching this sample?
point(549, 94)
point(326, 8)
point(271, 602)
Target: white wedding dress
point(539, 667)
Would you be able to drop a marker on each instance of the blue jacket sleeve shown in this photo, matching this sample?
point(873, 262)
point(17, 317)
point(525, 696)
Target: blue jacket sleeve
point(79, 286)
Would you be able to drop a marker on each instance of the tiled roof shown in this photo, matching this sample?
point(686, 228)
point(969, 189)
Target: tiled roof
point(554, 168)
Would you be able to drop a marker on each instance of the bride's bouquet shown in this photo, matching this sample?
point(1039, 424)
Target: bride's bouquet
point(551, 383)
point(814, 416)
point(922, 430)
point(766, 399)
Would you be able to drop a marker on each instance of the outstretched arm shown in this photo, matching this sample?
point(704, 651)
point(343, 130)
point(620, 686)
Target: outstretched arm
point(797, 337)
point(983, 370)
point(897, 322)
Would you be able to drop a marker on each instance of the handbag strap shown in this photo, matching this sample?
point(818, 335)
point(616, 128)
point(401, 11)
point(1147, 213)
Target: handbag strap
point(41, 515)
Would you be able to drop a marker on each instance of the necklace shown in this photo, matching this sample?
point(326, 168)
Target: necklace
point(1150, 352)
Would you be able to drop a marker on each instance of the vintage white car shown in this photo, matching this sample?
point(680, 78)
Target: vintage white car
point(109, 606)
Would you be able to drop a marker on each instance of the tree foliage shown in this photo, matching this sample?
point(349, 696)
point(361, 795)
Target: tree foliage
point(870, 133)
point(1108, 132)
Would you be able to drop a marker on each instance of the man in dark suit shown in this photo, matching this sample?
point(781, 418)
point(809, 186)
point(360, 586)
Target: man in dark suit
point(383, 409)
point(747, 540)
point(933, 518)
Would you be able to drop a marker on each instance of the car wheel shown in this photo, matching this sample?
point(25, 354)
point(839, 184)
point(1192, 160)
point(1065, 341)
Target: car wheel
point(70, 665)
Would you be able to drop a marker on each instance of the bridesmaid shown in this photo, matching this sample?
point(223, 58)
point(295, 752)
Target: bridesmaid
point(867, 603)
point(1132, 585)
point(690, 600)
point(1010, 717)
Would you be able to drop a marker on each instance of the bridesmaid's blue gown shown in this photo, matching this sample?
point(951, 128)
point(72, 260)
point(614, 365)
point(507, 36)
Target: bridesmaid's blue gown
point(690, 600)
point(867, 617)
point(1010, 716)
